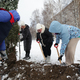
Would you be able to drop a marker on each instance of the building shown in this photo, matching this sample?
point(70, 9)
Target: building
point(70, 14)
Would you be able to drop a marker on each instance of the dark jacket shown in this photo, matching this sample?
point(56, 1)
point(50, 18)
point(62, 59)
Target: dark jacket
point(27, 38)
point(4, 30)
point(45, 38)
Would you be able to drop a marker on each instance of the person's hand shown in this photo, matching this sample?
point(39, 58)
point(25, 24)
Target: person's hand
point(60, 57)
point(37, 41)
point(56, 45)
point(18, 33)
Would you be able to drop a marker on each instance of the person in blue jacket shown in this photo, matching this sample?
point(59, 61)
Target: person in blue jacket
point(69, 36)
point(7, 18)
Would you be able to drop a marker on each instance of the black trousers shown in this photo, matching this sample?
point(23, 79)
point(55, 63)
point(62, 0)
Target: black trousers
point(27, 53)
point(47, 49)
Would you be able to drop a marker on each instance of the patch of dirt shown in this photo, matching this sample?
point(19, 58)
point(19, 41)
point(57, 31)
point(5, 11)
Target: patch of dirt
point(23, 70)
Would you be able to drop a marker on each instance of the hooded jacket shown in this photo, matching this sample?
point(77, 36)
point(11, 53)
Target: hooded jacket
point(66, 32)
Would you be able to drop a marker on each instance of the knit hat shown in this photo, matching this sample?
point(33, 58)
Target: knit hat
point(22, 23)
point(38, 26)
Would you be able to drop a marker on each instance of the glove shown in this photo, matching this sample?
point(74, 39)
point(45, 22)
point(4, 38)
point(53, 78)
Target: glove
point(60, 57)
point(56, 45)
point(18, 33)
point(38, 41)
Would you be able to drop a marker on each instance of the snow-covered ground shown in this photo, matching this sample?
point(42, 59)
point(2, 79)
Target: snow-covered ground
point(36, 54)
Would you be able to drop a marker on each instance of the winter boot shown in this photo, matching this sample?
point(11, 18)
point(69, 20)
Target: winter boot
point(27, 55)
point(47, 59)
point(27, 58)
point(3, 55)
point(63, 64)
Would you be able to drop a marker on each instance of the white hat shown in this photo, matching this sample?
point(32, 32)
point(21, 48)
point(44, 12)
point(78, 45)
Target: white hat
point(38, 26)
point(22, 23)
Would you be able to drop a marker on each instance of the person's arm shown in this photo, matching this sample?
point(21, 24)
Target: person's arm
point(65, 41)
point(57, 39)
point(25, 34)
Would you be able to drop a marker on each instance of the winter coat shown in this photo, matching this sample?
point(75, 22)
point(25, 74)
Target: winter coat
point(5, 15)
point(27, 38)
point(6, 21)
point(45, 37)
point(66, 32)
point(3, 46)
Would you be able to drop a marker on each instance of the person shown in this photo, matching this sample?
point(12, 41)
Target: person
point(27, 38)
point(46, 39)
point(7, 18)
point(3, 54)
point(69, 36)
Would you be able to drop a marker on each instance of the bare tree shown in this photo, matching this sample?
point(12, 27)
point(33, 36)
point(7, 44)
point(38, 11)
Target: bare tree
point(34, 20)
point(48, 12)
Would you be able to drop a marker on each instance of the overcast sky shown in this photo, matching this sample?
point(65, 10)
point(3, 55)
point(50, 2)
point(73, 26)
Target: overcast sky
point(26, 7)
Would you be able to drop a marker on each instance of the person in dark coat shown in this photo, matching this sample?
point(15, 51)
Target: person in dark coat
point(27, 38)
point(46, 39)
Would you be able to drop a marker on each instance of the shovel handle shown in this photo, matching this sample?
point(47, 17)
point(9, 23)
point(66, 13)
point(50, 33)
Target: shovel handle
point(58, 54)
point(42, 51)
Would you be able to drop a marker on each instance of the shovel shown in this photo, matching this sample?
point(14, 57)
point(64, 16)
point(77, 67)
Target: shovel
point(19, 48)
point(57, 53)
point(42, 50)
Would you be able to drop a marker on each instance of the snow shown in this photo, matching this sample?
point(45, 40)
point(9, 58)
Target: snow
point(68, 76)
point(37, 56)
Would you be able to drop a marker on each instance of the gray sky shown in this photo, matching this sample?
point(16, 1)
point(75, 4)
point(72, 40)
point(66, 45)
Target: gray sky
point(26, 7)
